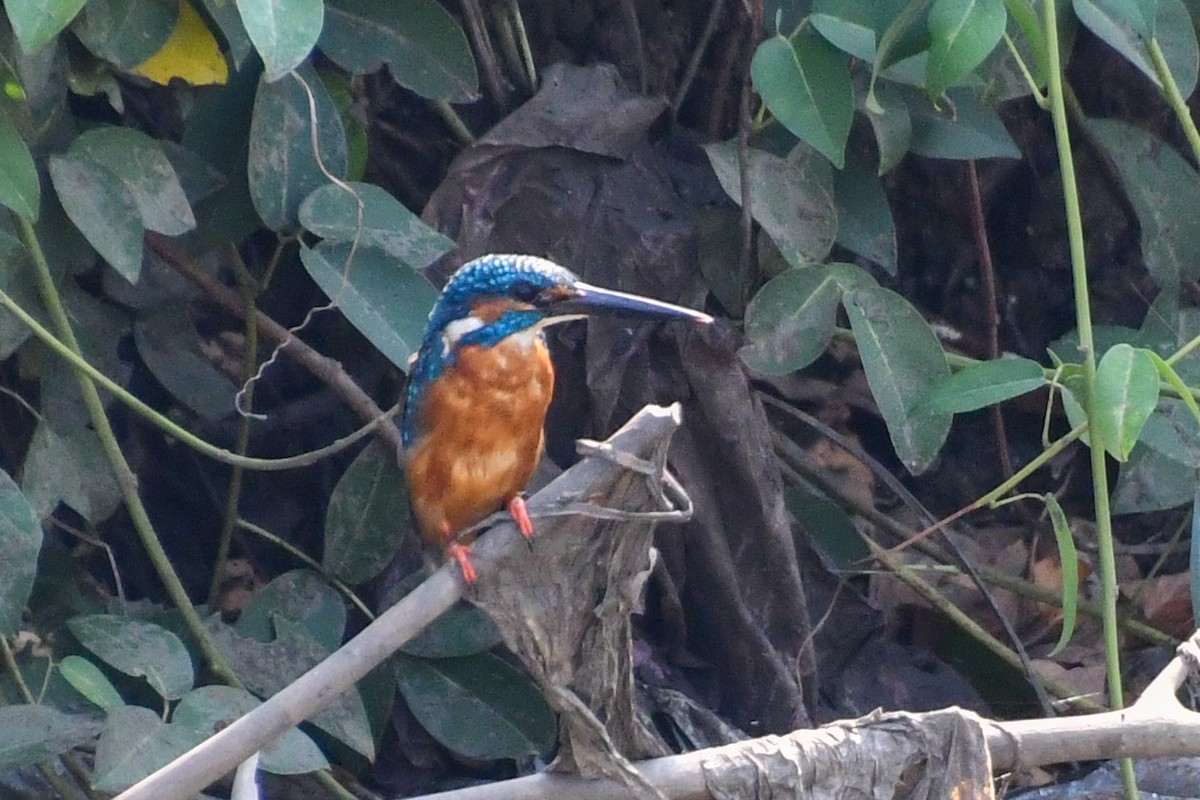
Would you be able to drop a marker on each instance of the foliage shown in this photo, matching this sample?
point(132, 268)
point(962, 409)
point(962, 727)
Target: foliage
point(259, 149)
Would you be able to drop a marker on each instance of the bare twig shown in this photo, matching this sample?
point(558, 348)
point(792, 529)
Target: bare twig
point(325, 369)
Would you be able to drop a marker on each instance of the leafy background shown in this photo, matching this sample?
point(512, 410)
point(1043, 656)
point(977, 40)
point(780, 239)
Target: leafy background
point(866, 192)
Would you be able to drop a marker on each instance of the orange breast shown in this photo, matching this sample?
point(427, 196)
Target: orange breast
point(481, 435)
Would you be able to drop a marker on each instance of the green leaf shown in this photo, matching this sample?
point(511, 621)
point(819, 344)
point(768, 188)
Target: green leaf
point(302, 597)
point(363, 523)
point(140, 164)
point(135, 743)
point(856, 26)
point(973, 131)
point(720, 247)
point(1151, 481)
point(1126, 393)
point(462, 631)
point(35, 734)
point(70, 467)
point(805, 83)
point(169, 345)
point(903, 361)
point(1104, 15)
point(20, 543)
point(1176, 36)
point(333, 213)
point(791, 319)
point(865, 224)
point(792, 198)
point(478, 706)
point(837, 541)
point(211, 708)
point(126, 32)
point(137, 648)
point(1164, 190)
point(388, 302)
point(36, 22)
point(266, 668)
point(422, 43)
point(97, 201)
point(892, 125)
point(981, 385)
point(1023, 13)
point(962, 34)
point(90, 681)
point(1069, 559)
point(282, 167)
point(284, 32)
point(20, 190)
point(1172, 431)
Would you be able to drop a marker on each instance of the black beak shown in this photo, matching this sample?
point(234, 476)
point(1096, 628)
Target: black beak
point(585, 299)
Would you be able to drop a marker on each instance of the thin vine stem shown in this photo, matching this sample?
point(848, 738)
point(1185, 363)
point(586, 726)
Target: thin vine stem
point(1087, 345)
point(124, 474)
point(168, 427)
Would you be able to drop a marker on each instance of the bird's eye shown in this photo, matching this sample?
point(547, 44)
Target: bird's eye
point(524, 291)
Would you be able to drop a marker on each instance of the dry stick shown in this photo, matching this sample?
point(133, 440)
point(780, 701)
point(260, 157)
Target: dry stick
point(693, 65)
point(1156, 726)
point(325, 369)
point(592, 478)
point(987, 279)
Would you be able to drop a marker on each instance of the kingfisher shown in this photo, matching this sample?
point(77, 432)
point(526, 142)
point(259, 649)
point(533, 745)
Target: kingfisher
point(480, 386)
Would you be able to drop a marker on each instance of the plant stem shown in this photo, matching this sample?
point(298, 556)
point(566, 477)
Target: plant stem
point(125, 476)
point(168, 427)
point(1174, 98)
point(1083, 314)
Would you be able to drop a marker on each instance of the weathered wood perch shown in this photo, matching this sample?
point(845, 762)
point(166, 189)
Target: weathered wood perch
point(564, 609)
point(534, 604)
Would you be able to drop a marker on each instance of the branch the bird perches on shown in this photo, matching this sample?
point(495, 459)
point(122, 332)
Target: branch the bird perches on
point(580, 579)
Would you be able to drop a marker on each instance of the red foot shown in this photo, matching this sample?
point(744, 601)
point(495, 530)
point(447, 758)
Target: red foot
point(462, 554)
point(520, 513)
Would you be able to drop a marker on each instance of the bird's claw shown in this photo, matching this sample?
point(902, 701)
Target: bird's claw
point(520, 513)
point(462, 554)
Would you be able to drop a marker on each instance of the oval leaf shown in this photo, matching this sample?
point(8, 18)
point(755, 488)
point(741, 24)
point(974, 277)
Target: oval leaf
point(388, 302)
point(20, 543)
point(211, 708)
point(138, 648)
point(1069, 559)
point(363, 526)
point(982, 385)
point(1126, 393)
point(169, 345)
point(1172, 431)
point(903, 361)
point(792, 198)
point(805, 82)
point(1151, 481)
point(478, 706)
point(282, 168)
point(135, 743)
point(424, 45)
point(284, 32)
point(126, 32)
point(36, 22)
point(331, 212)
point(790, 322)
point(90, 682)
point(962, 33)
point(20, 190)
point(35, 734)
point(140, 164)
point(301, 597)
point(973, 131)
point(1121, 24)
point(102, 208)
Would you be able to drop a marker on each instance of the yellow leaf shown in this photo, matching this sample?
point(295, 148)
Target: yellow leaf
point(191, 54)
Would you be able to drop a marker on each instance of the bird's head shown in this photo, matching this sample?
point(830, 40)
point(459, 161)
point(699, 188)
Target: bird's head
point(495, 297)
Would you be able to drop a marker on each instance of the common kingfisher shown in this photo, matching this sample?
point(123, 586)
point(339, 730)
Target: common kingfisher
point(479, 389)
